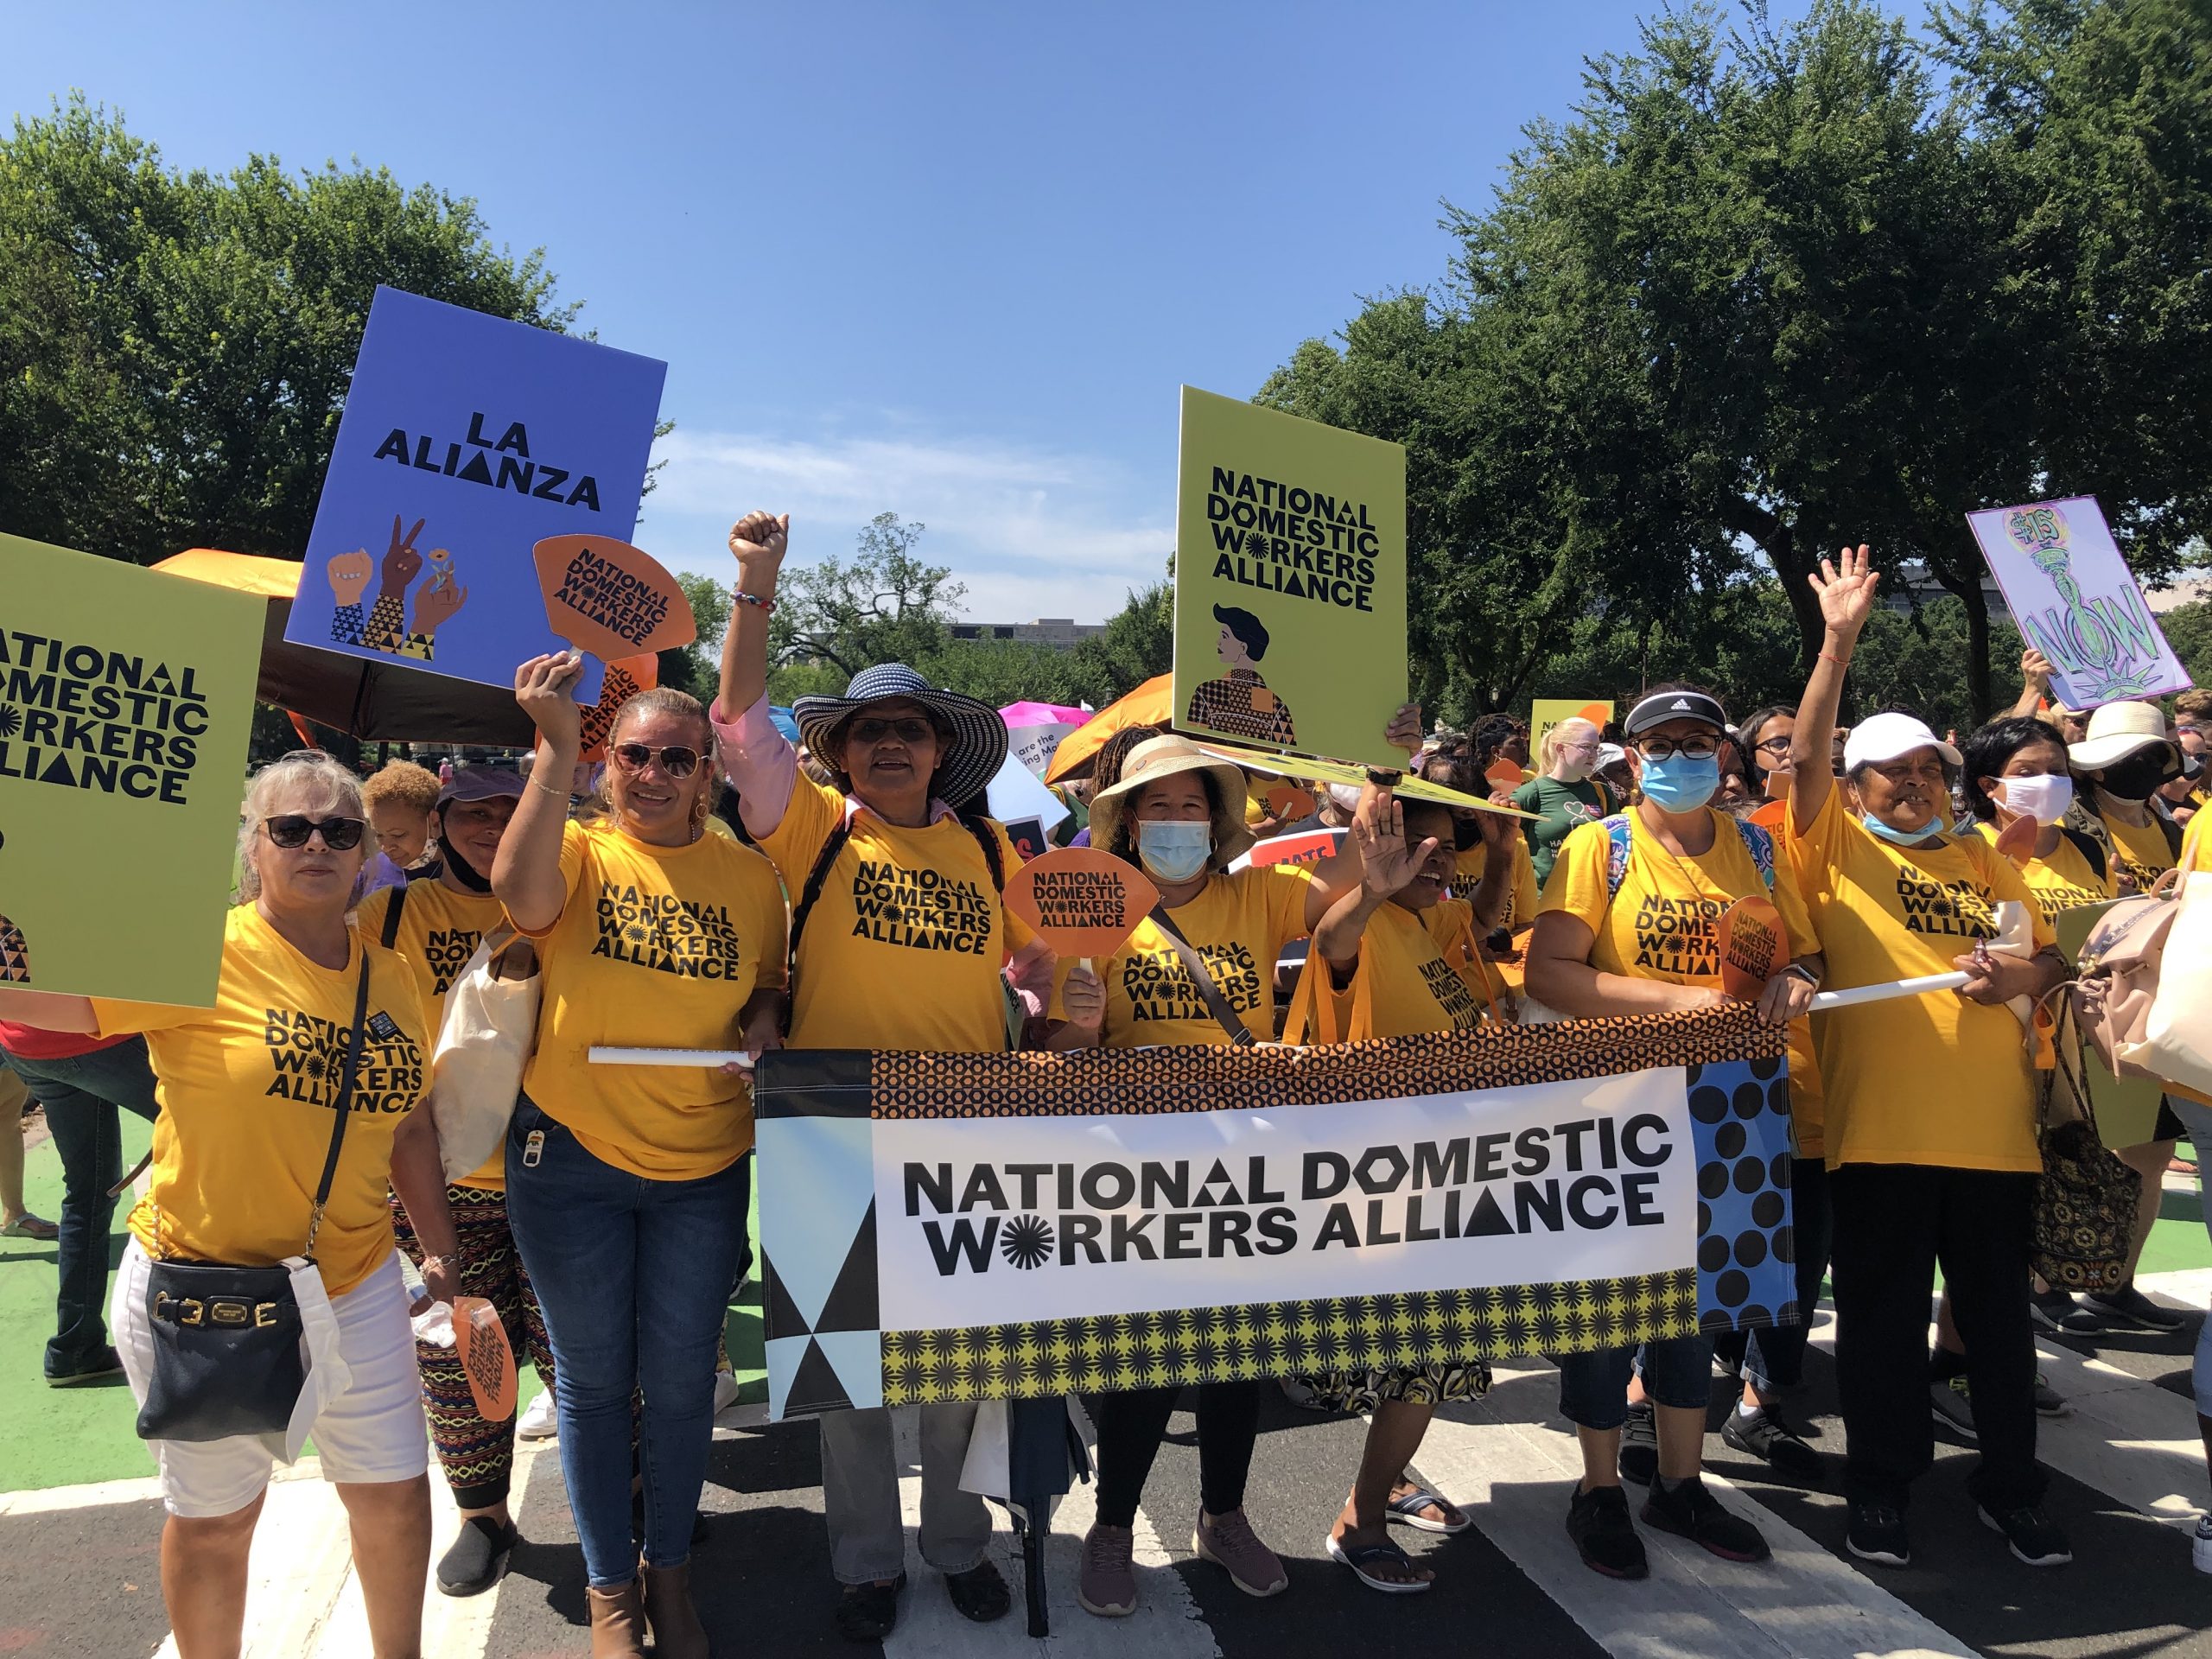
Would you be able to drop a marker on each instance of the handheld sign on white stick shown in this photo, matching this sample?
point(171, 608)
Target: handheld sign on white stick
point(714, 1057)
point(1082, 901)
point(1859, 993)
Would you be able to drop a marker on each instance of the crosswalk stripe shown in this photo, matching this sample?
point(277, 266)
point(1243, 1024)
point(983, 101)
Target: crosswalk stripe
point(1166, 1626)
point(1510, 1462)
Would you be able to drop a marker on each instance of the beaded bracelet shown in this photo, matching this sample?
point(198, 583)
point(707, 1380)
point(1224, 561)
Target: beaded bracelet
point(766, 606)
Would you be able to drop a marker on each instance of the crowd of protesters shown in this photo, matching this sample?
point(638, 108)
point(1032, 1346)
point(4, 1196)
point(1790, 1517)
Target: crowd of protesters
point(609, 1230)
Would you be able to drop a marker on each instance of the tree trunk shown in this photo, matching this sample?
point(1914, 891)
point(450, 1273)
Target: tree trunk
point(1778, 541)
point(1969, 591)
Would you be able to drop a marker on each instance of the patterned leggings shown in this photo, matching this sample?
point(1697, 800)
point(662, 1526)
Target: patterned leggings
point(478, 1457)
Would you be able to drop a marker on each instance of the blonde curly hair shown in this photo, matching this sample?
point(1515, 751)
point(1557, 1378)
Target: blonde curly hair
point(306, 780)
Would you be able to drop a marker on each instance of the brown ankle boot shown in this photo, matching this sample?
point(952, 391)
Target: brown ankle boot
point(618, 1622)
point(678, 1633)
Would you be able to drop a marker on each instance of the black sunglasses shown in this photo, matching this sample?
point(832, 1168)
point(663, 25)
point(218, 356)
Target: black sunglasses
point(290, 830)
point(909, 728)
point(676, 761)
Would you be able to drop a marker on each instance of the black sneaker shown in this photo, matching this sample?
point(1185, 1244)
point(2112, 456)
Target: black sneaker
point(1640, 1444)
point(1598, 1522)
point(1767, 1436)
point(2034, 1540)
point(1690, 1511)
point(95, 1367)
point(2128, 1309)
point(478, 1559)
point(1878, 1534)
point(2054, 1310)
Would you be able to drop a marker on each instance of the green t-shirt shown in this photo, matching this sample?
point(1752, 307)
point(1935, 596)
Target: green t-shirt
point(1559, 807)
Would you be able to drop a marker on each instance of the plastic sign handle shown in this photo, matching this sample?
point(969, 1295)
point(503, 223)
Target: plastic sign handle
point(707, 1057)
point(1859, 993)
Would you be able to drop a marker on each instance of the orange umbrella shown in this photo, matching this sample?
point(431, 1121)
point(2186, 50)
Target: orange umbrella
point(1150, 704)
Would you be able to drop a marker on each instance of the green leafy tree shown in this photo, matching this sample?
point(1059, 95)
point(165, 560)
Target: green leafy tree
point(1138, 644)
point(697, 667)
point(885, 605)
point(175, 347)
point(2188, 629)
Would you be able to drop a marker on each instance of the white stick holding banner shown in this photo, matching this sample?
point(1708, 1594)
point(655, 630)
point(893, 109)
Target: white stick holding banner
point(1858, 994)
point(716, 1057)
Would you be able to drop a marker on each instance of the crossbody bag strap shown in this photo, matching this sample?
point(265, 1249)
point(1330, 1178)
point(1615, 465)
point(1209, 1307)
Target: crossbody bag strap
point(1216, 1004)
point(345, 1108)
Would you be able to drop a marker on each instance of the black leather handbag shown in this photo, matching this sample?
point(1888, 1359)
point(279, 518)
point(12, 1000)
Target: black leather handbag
point(227, 1339)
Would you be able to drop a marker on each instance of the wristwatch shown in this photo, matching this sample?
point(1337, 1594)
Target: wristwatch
point(1798, 970)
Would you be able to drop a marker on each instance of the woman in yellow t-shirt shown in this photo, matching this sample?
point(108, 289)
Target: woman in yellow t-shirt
point(246, 1091)
point(1644, 940)
point(624, 1186)
point(1931, 1127)
point(2016, 768)
point(435, 922)
point(1381, 955)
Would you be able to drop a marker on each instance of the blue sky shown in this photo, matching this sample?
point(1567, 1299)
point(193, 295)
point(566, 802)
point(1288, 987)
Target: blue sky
point(947, 260)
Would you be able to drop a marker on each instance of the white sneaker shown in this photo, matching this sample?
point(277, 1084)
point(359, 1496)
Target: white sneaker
point(2200, 1550)
point(541, 1420)
point(725, 1391)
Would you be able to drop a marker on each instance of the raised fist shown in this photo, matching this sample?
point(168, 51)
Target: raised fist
point(349, 574)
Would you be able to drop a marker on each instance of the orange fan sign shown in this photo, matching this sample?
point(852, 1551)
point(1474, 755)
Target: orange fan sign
point(1753, 947)
point(611, 598)
point(1081, 902)
point(1503, 774)
point(626, 677)
point(1288, 803)
point(487, 1357)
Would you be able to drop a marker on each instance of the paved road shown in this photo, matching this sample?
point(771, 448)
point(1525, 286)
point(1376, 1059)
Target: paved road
point(77, 1567)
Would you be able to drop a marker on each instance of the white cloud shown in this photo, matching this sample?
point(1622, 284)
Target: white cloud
point(1031, 533)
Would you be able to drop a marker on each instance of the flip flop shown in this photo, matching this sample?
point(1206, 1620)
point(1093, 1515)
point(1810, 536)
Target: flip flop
point(1406, 1510)
point(28, 1225)
point(1359, 1559)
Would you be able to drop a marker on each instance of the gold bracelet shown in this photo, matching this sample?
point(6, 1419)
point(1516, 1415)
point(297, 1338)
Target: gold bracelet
point(536, 784)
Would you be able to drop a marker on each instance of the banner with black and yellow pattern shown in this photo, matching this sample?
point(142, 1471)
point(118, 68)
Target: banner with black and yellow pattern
point(972, 1226)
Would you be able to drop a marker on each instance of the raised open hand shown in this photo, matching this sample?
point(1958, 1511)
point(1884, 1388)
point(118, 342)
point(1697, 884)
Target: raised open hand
point(401, 563)
point(1378, 830)
point(1846, 586)
point(349, 574)
point(435, 605)
point(759, 540)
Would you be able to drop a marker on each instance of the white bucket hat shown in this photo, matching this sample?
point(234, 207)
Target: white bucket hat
point(2116, 731)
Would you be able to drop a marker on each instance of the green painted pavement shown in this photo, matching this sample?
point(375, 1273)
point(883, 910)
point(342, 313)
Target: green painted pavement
point(72, 1437)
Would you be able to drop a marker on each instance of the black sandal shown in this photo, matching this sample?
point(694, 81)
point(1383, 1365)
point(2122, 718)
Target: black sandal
point(980, 1593)
point(867, 1612)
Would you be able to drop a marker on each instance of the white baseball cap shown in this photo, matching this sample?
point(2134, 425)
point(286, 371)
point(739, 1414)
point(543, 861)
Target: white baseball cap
point(1885, 737)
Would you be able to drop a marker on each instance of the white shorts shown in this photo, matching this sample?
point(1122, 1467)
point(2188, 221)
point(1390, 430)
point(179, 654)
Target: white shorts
point(374, 1431)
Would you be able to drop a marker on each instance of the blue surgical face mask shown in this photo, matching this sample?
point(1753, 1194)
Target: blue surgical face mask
point(1938, 825)
point(1174, 852)
point(1681, 782)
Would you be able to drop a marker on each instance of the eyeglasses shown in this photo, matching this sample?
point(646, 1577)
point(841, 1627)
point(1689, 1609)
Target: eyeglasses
point(1777, 747)
point(909, 728)
point(676, 761)
point(1699, 747)
point(291, 829)
point(1591, 746)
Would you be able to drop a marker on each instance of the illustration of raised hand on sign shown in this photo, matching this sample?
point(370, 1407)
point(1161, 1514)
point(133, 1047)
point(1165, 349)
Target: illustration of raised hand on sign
point(2099, 661)
point(435, 604)
point(349, 574)
point(1239, 704)
point(387, 626)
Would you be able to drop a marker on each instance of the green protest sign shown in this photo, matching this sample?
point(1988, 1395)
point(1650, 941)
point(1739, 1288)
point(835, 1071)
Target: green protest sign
point(126, 698)
point(1290, 582)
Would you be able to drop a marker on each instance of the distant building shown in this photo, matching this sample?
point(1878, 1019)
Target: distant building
point(1060, 633)
point(1913, 586)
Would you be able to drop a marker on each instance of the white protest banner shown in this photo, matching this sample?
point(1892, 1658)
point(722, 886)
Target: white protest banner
point(948, 1227)
point(2076, 601)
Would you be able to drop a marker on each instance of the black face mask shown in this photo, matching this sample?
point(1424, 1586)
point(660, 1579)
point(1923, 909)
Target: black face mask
point(463, 871)
point(2138, 776)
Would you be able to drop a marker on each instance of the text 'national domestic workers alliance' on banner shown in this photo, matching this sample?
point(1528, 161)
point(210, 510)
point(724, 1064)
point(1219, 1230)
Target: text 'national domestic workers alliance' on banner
point(978, 1226)
point(126, 699)
point(1290, 582)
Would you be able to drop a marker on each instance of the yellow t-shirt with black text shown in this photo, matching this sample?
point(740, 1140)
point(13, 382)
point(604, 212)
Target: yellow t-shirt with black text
point(1664, 923)
point(1931, 1079)
point(1238, 924)
point(2142, 848)
point(656, 947)
point(1520, 910)
point(246, 1091)
point(439, 932)
point(2064, 881)
point(906, 944)
point(2196, 845)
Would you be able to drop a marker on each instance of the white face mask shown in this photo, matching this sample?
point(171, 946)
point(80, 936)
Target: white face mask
point(2044, 797)
point(1346, 797)
point(1174, 852)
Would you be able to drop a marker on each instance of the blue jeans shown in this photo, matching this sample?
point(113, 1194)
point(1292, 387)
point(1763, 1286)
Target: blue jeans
point(634, 1278)
point(1594, 1387)
point(81, 1095)
point(2197, 1120)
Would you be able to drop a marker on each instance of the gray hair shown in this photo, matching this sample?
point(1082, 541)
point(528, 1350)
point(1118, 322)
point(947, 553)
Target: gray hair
point(306, 780)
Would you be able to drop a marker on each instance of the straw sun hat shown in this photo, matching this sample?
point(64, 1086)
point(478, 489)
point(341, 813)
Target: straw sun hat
point(1165, 757)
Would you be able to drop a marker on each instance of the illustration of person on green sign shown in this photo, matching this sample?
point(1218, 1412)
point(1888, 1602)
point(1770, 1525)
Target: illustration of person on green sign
point(1239, 703)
